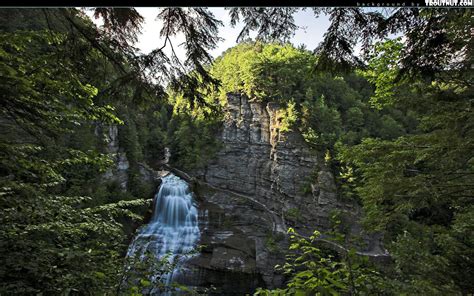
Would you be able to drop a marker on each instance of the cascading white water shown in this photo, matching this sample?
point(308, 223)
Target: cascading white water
point(173, 229)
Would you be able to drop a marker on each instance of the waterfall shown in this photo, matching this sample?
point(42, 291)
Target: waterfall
point(173, 229)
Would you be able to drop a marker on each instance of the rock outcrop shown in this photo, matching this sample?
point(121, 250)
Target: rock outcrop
point(119, 172)
point(264, 180)
point(277, 169)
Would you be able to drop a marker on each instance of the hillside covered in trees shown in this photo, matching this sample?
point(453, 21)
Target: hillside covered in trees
point(87, 120)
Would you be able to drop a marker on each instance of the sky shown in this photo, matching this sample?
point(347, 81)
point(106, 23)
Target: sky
point(310, 34)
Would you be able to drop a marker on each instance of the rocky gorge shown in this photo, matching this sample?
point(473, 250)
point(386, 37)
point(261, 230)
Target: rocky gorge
point(261, 182)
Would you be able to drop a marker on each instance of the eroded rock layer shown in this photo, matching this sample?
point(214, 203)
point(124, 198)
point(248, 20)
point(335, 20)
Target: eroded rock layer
point(263, 181)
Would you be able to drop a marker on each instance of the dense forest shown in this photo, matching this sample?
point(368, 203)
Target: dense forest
point(394, 125)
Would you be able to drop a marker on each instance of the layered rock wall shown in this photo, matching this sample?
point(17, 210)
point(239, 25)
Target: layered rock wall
point(264, 181)
point(276, 169)
point(119, 172)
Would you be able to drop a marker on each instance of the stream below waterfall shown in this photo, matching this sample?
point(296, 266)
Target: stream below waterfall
point(173, 231)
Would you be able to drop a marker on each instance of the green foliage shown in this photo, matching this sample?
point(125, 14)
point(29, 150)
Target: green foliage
point(313, 271)
point(265, 72)
point(271, 243)
point(32, 73)
point(383, 69)
point(141, 274)
point(322, 123)
point(128, 139)
point(306, 188)
point(417, 188)
point(289, 117)
point(293, 214)
point(191, 133)
point(55, 239)
point(68, 244)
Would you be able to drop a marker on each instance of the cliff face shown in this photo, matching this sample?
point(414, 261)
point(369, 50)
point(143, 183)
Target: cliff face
point(109, 134)
point(119, 172)
point(277, 169)
point(264, 181)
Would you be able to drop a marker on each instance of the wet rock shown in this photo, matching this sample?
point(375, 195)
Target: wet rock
point(232, 260)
